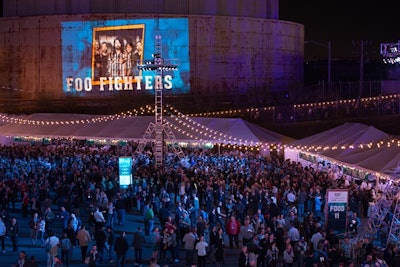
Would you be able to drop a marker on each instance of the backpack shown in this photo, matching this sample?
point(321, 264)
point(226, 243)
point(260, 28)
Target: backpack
point(65, 244)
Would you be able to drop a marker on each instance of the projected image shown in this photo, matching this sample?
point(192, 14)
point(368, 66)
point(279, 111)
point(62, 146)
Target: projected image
point(102, 57)
point(117, 51)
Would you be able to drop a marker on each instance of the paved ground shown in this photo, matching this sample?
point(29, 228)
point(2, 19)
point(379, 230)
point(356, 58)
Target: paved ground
point(132, 222)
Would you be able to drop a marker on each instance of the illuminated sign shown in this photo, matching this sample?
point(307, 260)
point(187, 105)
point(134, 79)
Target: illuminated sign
point(120, 83)
point(336, 210)
point(125, 171)
point(103, 56)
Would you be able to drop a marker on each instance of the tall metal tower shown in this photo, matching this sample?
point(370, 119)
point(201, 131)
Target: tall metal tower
point(160, 128)
point(387, 206)
point(394, 230)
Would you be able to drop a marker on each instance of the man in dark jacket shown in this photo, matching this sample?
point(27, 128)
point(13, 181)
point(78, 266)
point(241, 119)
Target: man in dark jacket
point(13, 230)
point(101, 238)
point(137, 244)
point(121, 248)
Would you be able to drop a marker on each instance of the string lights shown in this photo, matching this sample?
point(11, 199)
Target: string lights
point(194, 130)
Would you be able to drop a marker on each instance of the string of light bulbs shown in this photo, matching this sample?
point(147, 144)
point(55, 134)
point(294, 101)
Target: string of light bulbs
point(211, 131)
point(318, 148)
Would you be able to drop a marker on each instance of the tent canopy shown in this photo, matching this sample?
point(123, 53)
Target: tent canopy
point(349, 144)
point(132, 128)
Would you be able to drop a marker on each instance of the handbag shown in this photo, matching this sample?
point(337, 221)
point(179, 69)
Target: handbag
point(87, 260)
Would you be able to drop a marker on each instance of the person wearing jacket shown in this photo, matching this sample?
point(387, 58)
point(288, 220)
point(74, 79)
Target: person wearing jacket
point(233, 230)
point(137, 244)
point(3, 231)
point(83, 238)
point(13, 230)
point(121, 248)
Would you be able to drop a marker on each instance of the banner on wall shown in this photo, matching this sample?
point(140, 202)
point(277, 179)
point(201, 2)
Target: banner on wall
point(101, 57)
point(125, 171)
point(336, 205)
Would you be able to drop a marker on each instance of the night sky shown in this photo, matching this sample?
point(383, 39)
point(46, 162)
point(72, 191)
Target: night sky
point(342, 22)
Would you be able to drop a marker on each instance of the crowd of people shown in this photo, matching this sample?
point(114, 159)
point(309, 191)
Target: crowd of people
point(270, 208)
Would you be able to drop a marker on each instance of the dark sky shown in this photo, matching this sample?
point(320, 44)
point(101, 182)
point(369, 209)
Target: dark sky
point(342, 21)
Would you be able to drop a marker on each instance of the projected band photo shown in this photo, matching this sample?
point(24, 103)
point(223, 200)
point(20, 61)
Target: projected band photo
point(117, 51)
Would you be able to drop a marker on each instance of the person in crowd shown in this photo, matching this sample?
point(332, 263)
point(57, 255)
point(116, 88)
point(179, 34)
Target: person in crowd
point(23, 260)
point(3, 232)
point(288, 256)
point(64, 217)
point(149, 217)
point(92, 257)
point(49, 219)
point(41, 231)
point(294, 234)
point(101, 238)
point(233, 230)
point(189, 240)
point(33, 262)
point(316, 238)
point(84, 238)
point(57, 262)
point(244, 257)
point(137, 244)
point(173, 245)
point(153, 263)
point(75, 222)
point(71, 234)
point(120, 207)
point(155, 238)
point(213, 236)
point(247, 231)
point(219, 255)
point(51, 245)
point(164, 215)
point(121, 248)
point(99, 219)
point(253, 256)
point(66, 247)
point(257, 183)
point(201, 247)
point(273, 254)
point(200, 226)
point(33, 228)
point(109, 245)
point(164, 247)
point(110, 214)
point(13, 231)
point(25, 204)
point(300, 249)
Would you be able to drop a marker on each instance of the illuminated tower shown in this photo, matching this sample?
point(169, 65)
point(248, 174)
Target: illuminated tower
point(160, 128)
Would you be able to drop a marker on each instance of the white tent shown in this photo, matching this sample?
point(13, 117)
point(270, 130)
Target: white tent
point(353, 145)
point(132, 128)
